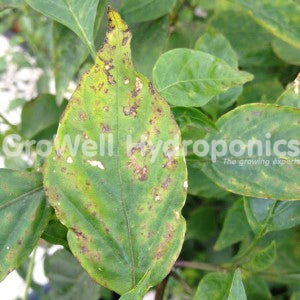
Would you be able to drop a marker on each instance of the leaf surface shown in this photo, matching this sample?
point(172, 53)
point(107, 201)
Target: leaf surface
point(122, 209)
point(187, 77)
point(24, 213)
point(79, 16)
point(247, 159)
point(265, 258)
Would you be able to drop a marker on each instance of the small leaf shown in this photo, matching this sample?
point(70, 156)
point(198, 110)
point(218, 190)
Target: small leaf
point(122, 210)
point(237, 291)
point(280, 17)
point(248, 168)
point(266, 215)
point(24, 213)
point(235, 227)
point(187, 77)
point(291, 96)
point(213, 286)
point(40, 117)
point(264, 258)
point(79, 16)
point(136, 11)
point(68, 281)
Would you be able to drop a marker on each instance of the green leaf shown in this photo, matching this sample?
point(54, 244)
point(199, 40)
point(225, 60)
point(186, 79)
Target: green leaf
point(122, 210)
point(255, 166)
point(266, 215)
point(257, 288)
point(237, 291)
point(213, 286)
point(201, 224)
point(79, 16)
point(41, 117)
point(10, 4)
point(280, 17)
point(65, 62)
point(286, 52)
point(136, 11)
point(187, 77)
point(24, 213)
point(192, 117)
point(148, 43)
point(264, 258)
point(56, 233)
point(68, 281)
point(217, 44)
point(291, 96)
point(235, 227)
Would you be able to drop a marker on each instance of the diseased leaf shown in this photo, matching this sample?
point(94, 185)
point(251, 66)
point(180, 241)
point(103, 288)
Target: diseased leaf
point(266, 215)
point(291, 96)
point(264, 258)
point(40, 117)
point(286, 52)
point(148, 43)
point(187, 77)
point(79, 16)
point(136, 11)
point(237, 291)
point(24, 213)
point(123, 210)
point(213, 286)
point(280, 17)
point(235, 227)
point(68, 281)
point(246, 158)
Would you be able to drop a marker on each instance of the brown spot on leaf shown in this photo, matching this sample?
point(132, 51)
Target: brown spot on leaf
point(82, 116)
point(106, 108)
point(79, 234)
point(105, 128)
point(131, 110)
point(166, 183)
point(151, 88)
point(125, 40)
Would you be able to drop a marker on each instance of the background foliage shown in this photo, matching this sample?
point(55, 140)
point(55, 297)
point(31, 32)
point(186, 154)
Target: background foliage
point(238, 245)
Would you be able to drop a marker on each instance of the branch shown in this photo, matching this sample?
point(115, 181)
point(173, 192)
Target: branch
point(198, 266)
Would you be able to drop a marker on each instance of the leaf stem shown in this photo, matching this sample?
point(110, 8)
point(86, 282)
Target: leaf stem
point(29, 273)
point(199, 266)
point(161, 288)
point(184, 284)
point(5, 121)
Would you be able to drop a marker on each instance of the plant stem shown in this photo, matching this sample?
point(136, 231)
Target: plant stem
point(161, 288)
point(198, 266)
point(5, 121)
point(185, 286)
point(29, 273)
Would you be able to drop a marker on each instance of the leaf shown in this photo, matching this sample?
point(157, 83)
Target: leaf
point(201, 224)
point(237, 291)
point(257, 288)
point(265, 215)
point(286, 52)
point(187, 77)
point(121, 209)
point(291, 96)
point(213, 286)
point(40, 117)
point(10, 4)
point(216, 44)
point(265, 258)
point(148, 43)
point(191, 117)
point(248, 168)
point(65, 62)
point(280, 17)
point(68, 281)
point(56, 233)
point(235, 227)
point(24, 213)
point(136, 11)
point(79, 16)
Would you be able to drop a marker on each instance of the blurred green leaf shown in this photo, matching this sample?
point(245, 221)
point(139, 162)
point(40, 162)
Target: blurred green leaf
point(286, 52)
point(257, 288)
point(266, 215)
point(68, 280)
point(187, 77)
point(235, 227)
point(136, 11)
point(264, 258)
point(237, 291)
point(24, 213)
